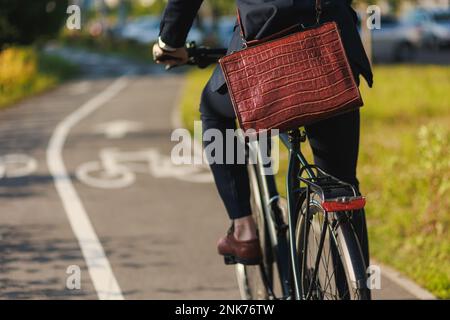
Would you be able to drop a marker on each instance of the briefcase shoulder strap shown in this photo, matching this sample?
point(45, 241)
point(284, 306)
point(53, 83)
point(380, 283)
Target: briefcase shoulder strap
point(281, 33)
point(318, 10)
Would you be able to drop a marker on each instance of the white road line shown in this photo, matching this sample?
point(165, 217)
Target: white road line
point(98, 265)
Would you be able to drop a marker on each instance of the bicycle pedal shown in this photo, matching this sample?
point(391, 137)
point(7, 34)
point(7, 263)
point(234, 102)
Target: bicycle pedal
point(229, 260)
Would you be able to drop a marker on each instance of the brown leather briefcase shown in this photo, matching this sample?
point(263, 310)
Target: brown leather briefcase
point(291, 79)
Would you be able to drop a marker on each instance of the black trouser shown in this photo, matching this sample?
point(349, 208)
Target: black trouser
point(334, 143)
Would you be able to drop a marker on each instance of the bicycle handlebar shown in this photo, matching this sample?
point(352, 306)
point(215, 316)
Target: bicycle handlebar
point(201, 56)
point(204, 56)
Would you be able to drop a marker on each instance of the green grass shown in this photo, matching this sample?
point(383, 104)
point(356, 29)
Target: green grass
point(24, 71)
point(404, 167)
point(189, 108)
point(404, 170)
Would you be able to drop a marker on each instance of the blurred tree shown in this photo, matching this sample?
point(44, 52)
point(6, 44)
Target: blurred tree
point(141, 8)
point(23, 22)
point(394, 4)
point(123, 8)
point(223, 7)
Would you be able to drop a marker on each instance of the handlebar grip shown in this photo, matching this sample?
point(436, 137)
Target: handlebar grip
point(201, 56)
point(166, 57)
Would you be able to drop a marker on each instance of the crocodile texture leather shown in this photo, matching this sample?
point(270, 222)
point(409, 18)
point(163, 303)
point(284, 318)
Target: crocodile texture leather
point(291, 81)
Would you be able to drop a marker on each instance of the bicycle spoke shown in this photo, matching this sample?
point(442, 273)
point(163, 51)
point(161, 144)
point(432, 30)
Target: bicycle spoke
point(318, 255)
point(323, 274)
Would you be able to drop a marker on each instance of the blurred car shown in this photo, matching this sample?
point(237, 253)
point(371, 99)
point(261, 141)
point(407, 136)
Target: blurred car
point(397, 40)
point(225, 29)
point(145, 30)
point(435, 25)
point(217, 32)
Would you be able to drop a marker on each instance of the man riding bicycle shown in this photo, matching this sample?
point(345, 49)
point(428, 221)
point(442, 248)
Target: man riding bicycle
point(334, 141)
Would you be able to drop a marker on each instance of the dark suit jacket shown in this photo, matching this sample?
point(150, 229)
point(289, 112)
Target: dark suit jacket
point(261, 18)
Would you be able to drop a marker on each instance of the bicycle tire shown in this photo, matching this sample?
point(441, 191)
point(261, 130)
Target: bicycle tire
point(255, 281)
point(348, 280)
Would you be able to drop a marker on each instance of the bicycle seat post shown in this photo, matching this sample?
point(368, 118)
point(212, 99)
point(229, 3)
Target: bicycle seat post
point(297, 136)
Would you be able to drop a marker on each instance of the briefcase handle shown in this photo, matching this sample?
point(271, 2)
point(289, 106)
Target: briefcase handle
point(246, 43)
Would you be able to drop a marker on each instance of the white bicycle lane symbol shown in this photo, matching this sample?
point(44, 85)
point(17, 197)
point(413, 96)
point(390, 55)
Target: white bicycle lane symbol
point(118, 169)
point(17, 165)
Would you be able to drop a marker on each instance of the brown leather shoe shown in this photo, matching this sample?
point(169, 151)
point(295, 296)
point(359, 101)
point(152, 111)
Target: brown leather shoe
point(235, 251)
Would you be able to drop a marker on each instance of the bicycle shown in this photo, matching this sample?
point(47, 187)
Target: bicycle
point(310, 250)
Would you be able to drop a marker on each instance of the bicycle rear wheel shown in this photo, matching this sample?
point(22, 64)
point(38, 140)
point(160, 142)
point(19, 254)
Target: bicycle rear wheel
point(329, 255)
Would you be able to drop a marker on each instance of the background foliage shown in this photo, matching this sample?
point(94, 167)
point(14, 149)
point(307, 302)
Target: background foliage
point(25, 21)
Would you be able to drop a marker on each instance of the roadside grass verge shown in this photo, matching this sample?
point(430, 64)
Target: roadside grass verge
point(404, 167)
point(25, 71)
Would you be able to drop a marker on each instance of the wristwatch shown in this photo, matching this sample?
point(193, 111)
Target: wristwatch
point(165, 46)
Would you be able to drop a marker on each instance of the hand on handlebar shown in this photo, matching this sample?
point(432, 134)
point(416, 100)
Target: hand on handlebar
point(170, 58)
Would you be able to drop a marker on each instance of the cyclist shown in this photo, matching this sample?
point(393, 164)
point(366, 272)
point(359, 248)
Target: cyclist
point(334, 142)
